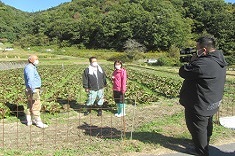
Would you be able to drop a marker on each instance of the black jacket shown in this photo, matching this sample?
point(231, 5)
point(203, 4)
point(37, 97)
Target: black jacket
point(203, 85)
point(91, 82)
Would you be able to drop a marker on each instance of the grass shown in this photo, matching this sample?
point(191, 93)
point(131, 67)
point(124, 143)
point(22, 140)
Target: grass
point(165, 125)
point(163, 132)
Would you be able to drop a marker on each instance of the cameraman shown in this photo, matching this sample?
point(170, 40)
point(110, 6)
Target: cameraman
point(202, 91)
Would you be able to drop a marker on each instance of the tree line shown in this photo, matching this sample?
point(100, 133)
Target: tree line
point(156, 25)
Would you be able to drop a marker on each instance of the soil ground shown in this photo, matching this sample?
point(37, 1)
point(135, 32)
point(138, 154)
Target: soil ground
point(74, 130)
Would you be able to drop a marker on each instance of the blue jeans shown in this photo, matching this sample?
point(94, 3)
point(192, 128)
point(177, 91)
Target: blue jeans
point(93, 95)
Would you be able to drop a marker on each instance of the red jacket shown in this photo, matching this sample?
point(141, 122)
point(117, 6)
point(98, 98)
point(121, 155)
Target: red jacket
point(119, 79)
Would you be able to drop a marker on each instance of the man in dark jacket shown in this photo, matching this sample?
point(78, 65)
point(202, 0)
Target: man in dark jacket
point(94, 81)
point(202, 91)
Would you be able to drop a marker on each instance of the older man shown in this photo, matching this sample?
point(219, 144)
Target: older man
point(33, 85)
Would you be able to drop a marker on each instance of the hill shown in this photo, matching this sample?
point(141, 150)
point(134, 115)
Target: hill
point(12, 23)
point(109, 24)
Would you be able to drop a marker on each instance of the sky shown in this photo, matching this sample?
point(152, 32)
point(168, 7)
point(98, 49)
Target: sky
point(231, 1)
point(39, 5)
point(33, 5)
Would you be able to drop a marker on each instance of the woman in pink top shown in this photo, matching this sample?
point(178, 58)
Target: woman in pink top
point(119, 79)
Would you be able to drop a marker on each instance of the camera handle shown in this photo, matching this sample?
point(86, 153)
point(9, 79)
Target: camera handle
point(194, 57)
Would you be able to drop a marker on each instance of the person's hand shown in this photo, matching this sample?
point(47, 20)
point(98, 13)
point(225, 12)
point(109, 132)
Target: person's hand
point(194, 57)
point(35, 96)
point(40, 91)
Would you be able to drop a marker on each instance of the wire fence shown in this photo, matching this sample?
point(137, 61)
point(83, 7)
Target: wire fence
point(70, 129)
point(227, 108)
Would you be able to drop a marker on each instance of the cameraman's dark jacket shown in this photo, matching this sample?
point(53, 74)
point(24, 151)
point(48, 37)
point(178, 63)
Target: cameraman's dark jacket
point(203, 84)
point(91, 82)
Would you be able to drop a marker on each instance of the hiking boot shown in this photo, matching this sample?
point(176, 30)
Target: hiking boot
point(99, 112)
point(88, 110)
point(87, 113)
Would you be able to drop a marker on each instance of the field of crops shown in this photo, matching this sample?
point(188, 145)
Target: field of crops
point(64, 83)
point(63, 100)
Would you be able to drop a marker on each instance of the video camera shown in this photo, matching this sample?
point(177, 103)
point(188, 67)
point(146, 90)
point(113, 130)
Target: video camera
point(187, 54)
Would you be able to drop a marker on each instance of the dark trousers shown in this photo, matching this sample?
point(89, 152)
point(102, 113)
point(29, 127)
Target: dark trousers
point(201, 128)
point(118, 97)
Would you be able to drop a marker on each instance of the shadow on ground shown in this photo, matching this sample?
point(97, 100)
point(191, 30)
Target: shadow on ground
point(176, 144)
point(180, 145)
point(101, 132)
point(214, 151)
point(80, 107)
point(17, 111)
